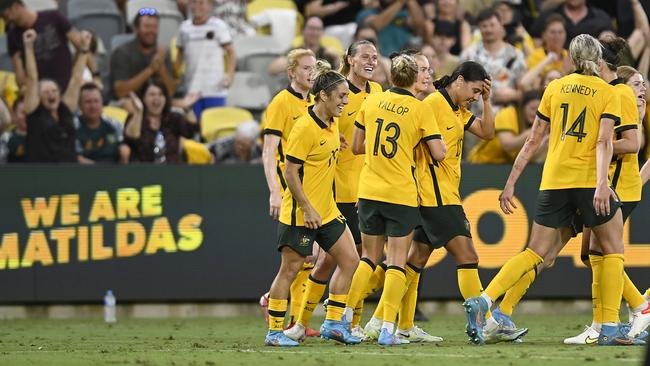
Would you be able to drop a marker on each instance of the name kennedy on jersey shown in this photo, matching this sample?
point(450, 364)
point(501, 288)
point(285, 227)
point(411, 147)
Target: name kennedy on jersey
point(579, 89)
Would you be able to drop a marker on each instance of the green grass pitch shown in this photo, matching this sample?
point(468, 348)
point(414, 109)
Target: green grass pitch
point(239, 341)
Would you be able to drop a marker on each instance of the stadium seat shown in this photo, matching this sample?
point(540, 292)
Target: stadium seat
point(116, 113)
point(330, 42)
point(195, 152)
point(222, 121)
point(5, 58)
point(170, 17)
point(11, 91)
point(255, 45)
point(249, 91)
point(38, 5)
point(120, 39)
point(100, 17)
point(258, 7)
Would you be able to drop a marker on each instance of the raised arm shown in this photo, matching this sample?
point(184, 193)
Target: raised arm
point(484, 127)
point(313, 220)
point(525, 154)
point(31, 75)
point(604, 149)
point(379, 21)
point(71, 96)
point(133, 127)
point(416, 17)
point(271, 143)
point(317, 9)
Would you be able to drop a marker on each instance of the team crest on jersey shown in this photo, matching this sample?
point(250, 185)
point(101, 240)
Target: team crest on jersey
point(304, 242)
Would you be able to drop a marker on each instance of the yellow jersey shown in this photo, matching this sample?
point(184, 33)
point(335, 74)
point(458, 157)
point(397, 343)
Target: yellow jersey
point(348, 167)
point(574, 105)
point(394, 122)
point(439, 182)
point(491, 151)
point(315, 145)
point(624, 171)
point(539, 54)
point(279, 118)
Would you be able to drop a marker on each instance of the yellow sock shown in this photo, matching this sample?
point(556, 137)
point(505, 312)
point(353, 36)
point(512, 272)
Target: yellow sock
point(375, 284)
point(379, 310)
point(469, 283)
point(336, 307)
point(611, 286)
point(360, 281)
point(394, 289)
point(511, 272)
point(596, 261)
point(277, 310)
point(410, 299)
point(516, 292)
point(297, 289)
point(631, 294)
point(313, 293)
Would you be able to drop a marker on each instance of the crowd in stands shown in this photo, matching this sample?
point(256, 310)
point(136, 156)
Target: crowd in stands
point(73, 96)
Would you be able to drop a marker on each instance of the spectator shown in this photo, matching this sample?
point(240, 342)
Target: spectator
point(396, 22)
point(501, 60)
point(135, 62)
point(242, 147)
point(153, 131)
point(50, 123)
point(381, 74)
point(53, 58)
point(512, 125)
point(312, 33)
point(443, 41)
point(339, 17)
point(579, 18)
point(550, 76)
point(233, 12)
point(516, 34)
point(202, 43)
point(12, 143)
point(455, 26)
point(550, 56)
point(99, 138)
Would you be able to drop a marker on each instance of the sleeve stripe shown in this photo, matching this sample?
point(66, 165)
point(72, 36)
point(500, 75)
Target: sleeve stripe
point(268, 131)
point(625, 128)
point(469, 123)
point(432, 137)
point(359, 125)
point(295, 160)
point(543, 117)
point(608, 115)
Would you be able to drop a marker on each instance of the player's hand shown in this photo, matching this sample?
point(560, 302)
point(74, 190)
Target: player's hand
point(312, 218)
point(487, 88)
point(275, 202)
point(29, 37)
point(601, 199)
point(344, 142)
point(506, 199)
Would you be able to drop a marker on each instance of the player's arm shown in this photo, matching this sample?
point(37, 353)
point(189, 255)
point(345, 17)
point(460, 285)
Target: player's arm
point(312, 218)
point(645, 172)
point(628, 143)
point(484, 127)
point(529, 149)
point(271, 143)
point(604, 150)
point(359, 139)
point(437, 147)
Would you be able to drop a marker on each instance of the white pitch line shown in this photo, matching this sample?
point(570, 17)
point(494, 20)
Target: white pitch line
point(402, 354)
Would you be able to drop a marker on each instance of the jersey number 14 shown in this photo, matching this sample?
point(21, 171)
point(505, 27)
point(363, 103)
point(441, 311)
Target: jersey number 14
point(577, 129)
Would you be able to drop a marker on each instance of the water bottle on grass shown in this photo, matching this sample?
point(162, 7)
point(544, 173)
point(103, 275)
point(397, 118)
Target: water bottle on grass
point(110, 310)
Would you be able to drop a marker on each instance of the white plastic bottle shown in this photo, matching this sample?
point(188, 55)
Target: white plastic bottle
point(110, 310)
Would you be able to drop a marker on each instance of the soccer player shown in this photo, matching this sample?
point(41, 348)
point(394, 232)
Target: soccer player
point(389, 127)
point(443, 218)
point(280, 116)
point(627, 184)
point(359, 64)
point(309, 213)
point(582, 111)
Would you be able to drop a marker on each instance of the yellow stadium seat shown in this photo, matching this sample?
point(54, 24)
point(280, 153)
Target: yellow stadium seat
point(195, 152)
point(116, 113)
point(222, 121)
point(330, 42)
point(11, 91)
point(258, 6)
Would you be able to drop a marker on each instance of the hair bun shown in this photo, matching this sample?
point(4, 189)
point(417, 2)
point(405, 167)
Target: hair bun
point(322, 67)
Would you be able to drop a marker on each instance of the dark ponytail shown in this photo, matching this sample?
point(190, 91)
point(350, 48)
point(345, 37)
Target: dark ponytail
point(614, 49)
point(469, 70)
